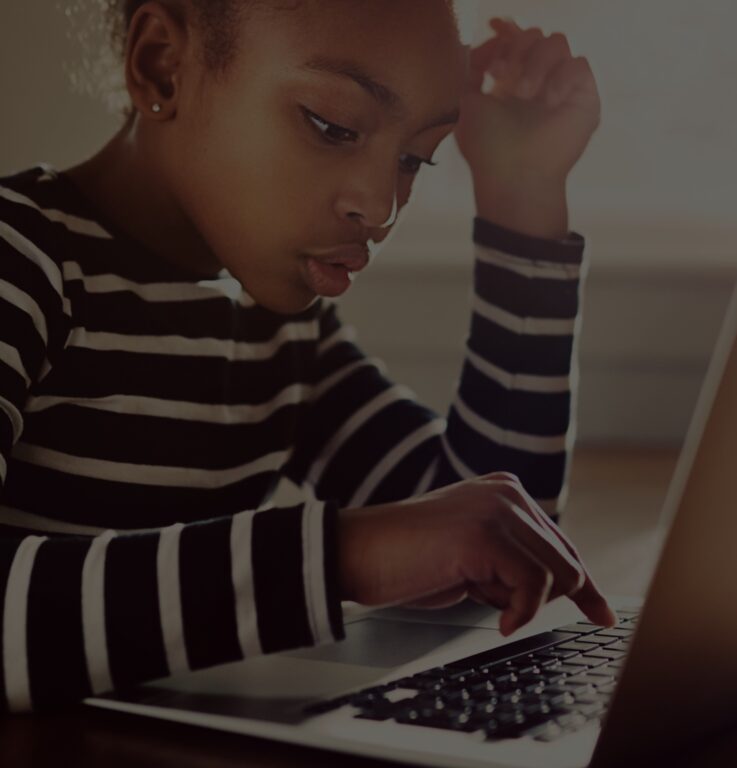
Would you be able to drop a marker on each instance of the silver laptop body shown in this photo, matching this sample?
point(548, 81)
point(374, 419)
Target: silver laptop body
point(679, 681)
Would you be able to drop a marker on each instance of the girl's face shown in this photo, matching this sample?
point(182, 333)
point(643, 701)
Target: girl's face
point(313, 135)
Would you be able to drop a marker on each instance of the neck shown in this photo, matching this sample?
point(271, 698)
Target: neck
point(126, 183)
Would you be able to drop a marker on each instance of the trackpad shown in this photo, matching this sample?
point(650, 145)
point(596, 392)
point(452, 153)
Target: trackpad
point(373, 642)
point(276, 686)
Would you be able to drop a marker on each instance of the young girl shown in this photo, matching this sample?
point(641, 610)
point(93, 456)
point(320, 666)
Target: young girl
point(168, 349)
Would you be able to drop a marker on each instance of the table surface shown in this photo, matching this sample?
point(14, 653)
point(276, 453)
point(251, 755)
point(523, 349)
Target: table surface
point(614, 504)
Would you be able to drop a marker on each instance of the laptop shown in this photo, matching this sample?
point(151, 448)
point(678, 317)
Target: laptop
point(444, 688)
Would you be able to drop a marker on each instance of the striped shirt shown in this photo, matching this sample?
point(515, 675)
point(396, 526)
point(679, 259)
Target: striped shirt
point(147, 416)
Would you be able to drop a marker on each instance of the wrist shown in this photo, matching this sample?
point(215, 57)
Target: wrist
point(352, 544)
point(536, 208)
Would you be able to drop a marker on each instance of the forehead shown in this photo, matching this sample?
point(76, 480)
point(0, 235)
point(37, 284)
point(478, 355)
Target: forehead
point(405, 53)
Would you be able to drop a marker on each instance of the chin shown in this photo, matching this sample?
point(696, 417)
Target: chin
point(291, 302)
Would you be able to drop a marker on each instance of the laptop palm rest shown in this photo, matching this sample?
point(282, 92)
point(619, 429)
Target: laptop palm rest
point(276, 687)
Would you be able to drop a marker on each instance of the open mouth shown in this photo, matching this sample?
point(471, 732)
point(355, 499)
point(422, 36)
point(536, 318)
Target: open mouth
point(327, 279)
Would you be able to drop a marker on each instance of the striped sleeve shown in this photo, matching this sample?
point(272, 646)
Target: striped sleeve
point(82, 616)
point(34, 324)
point(369, 441)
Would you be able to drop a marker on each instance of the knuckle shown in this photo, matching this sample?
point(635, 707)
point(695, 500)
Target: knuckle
point(548, 580)
point(572, 579)
point(509, 484)
point(559, 40)
point(580, 579)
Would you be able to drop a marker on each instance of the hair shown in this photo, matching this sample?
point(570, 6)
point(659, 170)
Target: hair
point(101, 26)
point(218, 21)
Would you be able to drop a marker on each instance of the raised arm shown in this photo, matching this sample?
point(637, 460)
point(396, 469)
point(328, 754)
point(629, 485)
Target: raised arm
point(367, 440)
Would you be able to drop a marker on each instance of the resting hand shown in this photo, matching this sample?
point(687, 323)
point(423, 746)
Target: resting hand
point(522, 138)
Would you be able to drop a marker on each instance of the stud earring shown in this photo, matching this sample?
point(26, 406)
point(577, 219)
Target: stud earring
point(156, 107)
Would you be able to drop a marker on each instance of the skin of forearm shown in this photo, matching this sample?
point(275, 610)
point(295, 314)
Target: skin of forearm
point(536, 208)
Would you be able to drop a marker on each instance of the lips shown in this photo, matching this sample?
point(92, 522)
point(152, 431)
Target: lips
point(353, 257)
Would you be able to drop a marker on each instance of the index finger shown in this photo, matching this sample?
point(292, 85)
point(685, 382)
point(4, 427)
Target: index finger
point(588, 598)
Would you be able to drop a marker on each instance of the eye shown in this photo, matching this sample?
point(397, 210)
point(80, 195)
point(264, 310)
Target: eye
point(334, 134)
point(414, 163)
point(337, 134)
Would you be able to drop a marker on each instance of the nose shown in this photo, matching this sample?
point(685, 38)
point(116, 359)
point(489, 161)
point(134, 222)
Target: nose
point(371, 197)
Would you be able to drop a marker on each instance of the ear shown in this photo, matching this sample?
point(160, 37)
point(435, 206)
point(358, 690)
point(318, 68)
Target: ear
point(155, 52)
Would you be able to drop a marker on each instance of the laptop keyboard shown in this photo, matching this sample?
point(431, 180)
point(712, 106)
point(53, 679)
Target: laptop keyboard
point(543, 686)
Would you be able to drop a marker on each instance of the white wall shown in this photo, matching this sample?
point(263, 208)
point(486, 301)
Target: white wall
point(654, 195)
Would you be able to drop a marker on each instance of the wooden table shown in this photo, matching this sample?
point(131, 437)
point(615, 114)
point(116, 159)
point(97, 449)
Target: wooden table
point(615, 500)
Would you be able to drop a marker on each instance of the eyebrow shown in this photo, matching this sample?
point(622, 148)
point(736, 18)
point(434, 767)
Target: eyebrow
point(379, 92)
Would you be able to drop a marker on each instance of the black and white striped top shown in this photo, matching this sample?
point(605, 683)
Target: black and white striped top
point(147, 415)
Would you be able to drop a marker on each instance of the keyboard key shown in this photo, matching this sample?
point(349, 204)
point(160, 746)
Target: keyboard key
point(428, 718)
point(589, 679)
point(495, 730)
point(512, 697)
point(482, 687)
point(561, 700)
point(423, 701)
point(592, 710)
point(456, 696)
point(527, 668)
point(553, 678)
point(606, 653)
point(581, 626)
point(572, 629)
point(575, 646)
point(617, 664)
point(549, 663)
point(536, 708)
point(592, 698)
point(549, 731)
point(574, 666)
point(535, 687)
point(557, 696)
point(578, 663)
point(459, 676)
point(611, 668)
point(510, 650)
point(620, 645)
point(555, 653)
point(571, 721)
point(591, 661)
point(620, 632)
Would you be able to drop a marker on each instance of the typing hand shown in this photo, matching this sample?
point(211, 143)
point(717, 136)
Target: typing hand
point(484, 537)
